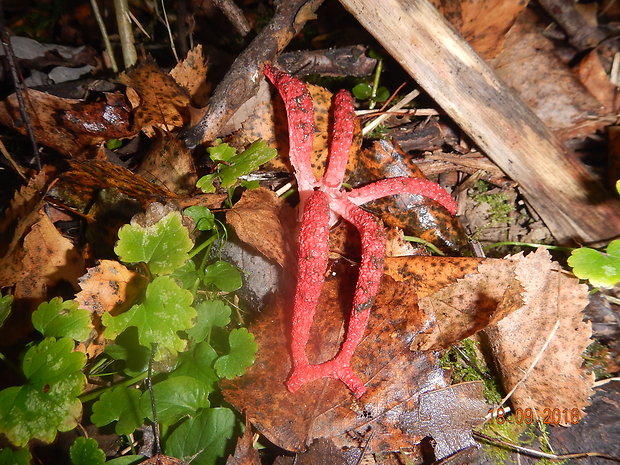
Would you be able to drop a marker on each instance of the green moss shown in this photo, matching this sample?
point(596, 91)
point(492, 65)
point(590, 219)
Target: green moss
point(596, 359)
point(500, 207)
point(464, 364)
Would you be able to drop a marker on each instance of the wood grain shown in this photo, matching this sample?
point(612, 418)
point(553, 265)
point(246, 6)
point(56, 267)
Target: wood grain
point(556, 185)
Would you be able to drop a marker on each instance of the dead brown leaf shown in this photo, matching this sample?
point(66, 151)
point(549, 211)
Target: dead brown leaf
point(191, 75)
point(558, 380)
point(484, 32)
point(529, 65)
point(395, 377)
point(264, 222)
point(592, 74)
point(168, 163)
point(73, 127)
point(158, 100)
point(108, 287)
point(245, 453)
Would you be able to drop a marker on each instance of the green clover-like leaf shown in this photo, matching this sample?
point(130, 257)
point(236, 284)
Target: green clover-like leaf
point(202, 439)
point(601, 269)
point(58, 318)
point(163, 246)
point(222, 152)
point(175, 398)
point(48, 402)
point(121, 404)
point(165, 311)
point(14, 457)
point(198, 363)
point(241, 355)
point(85, 451)
point(223, 275)
point(210, 313)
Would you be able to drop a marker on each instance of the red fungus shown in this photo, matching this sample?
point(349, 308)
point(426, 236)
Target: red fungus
point(319, 199)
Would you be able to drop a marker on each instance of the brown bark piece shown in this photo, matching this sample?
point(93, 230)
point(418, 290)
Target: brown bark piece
point(241, 81)
point(558, 380)
point(559, 188)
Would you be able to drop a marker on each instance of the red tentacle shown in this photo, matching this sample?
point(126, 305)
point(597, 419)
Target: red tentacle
point(300, 115)
point(392, 186)
point(312, 256)
point(342, 138)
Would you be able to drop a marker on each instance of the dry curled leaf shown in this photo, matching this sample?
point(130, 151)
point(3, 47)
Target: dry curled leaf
point(558, 380)
point(191, 75)
point(263, 221)
point(158, 100)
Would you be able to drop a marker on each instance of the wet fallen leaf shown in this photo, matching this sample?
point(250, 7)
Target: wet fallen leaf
point(414, 214)
point(72, 127)
point(528, 64)
point(558, 380)
point(320, 451)
point(156, 98)
point(395, 377)
point(592, 74)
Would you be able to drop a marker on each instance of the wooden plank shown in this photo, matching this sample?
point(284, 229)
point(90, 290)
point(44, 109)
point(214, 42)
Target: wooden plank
point(558, 187)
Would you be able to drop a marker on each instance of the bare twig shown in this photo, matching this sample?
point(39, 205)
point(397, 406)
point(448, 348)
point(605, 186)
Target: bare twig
point(19, 87)
point(241, 81)
point(167, 24)
point(123, 21)
point(234, 14)
point(104, 34)
point(340, 61)
point(544, 455)
point(380, 119)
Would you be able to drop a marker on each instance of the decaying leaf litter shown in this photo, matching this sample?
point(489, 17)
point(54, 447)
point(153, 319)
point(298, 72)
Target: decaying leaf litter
point(523, 311)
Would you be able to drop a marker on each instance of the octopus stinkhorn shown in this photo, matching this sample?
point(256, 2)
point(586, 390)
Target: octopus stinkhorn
point(322, 201)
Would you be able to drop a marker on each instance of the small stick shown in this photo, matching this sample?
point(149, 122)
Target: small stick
point(234, 14)
point(544, 455)
point(104, 35)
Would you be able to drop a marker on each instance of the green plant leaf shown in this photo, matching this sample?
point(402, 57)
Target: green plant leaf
point(187, 275)
point(163, 246)
point(6, 301)
point(362, 91)
point(223, 275)
point(241, 355)
point(382, 94)
point(601, 269)
point(247, 161)
point(127, 347)
point(198, 363)
point(85, 451)
point(205, 183)
point(14, 457)
point(48, 401)
point(202, 439)
point(202, 216)
point(222, 152)
point(126, 460)
point(113, 144)
point(210, 313)
point(121, 404)
point(165, 311)
point(58, 318)
point(175, 398)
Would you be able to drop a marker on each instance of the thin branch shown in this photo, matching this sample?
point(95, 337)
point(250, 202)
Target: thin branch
point(540, 454)
point(242, 80)
point(125, 32)
point(235, 15)
point(104, 35)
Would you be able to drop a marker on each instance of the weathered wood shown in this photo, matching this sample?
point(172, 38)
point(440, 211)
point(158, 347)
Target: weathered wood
point(558, 187)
